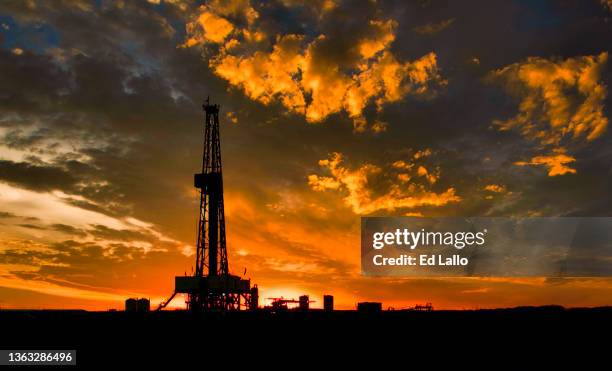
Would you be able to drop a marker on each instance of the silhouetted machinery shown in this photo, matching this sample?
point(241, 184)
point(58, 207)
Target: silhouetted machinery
point(212, 287)
point(428, 307)
point(135, 305)
point(281, 304)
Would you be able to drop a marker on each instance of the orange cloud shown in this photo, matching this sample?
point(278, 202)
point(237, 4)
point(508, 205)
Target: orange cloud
point(404, 178)
point(265, 76)
point(558, 98)
point(422, 153)
point(423, 172)
point(359, 194)
point(299, 73)
point(400, 164)
point(561, 101)
point(382, 38)
point(386, 80)
point(237, 9)
point(556, 163)
point(209, 27)
point(321, 183)
point(495, 188)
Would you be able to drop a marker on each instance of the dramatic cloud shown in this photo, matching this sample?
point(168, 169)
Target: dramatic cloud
point(211, 27)
point(358, 185)
point(314, 76)
point(558, 98)
point(495, 188)
point(61, 212)
point(556, 163)
point(561, 102)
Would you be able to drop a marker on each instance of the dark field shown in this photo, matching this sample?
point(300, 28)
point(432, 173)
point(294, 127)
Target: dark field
point(112, 338)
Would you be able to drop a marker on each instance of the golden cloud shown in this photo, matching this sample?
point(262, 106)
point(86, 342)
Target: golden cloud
point(359, 193)
point(400, 164)
point(423, 172)
point(299, 71)
point(264, 76)
point(495, 188)
point(561, 101)
point(558, 98)
point(556, 163)
point(422, 153)
point(209, 27)
point(321, 183)
point(237, 9)
point(381, 39)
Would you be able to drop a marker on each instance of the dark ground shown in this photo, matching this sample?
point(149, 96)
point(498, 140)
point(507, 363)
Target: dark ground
point(287, 340)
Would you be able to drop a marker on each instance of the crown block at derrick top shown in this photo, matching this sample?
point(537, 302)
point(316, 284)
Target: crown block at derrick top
point(211, 108)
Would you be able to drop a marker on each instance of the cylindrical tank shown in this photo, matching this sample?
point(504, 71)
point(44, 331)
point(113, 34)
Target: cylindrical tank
point(131, 305)
point(328, 303)
point(254, 304)
point(143, 305)
point(135, 305)
point(304, 303)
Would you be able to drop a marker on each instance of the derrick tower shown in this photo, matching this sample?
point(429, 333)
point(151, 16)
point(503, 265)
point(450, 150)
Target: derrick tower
point(212, 287)
point(211, 257)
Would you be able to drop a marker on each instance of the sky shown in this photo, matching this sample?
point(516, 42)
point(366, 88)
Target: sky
point(330, 110)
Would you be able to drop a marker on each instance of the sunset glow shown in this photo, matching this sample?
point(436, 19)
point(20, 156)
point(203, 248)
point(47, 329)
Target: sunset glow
point(330, 111)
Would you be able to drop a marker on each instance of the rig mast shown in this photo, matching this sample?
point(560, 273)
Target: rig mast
point(211, 257)
point(212, 287)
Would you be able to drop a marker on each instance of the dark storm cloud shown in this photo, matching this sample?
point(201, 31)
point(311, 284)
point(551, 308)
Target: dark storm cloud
point(22, 257)
point(119, 88)
point(107, 233)
point(32, 226)
point(29, 84)
point(17, 139)
point(40, 178)
point(68, 229)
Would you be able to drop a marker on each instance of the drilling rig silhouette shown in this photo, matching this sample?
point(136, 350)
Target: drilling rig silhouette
point(212, 287)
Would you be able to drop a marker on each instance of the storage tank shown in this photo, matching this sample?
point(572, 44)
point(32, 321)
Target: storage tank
point(304, 303)
point(254, 305)
point(328, 303)
point(143, 305)
point(131, 305)
point(137, 305)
